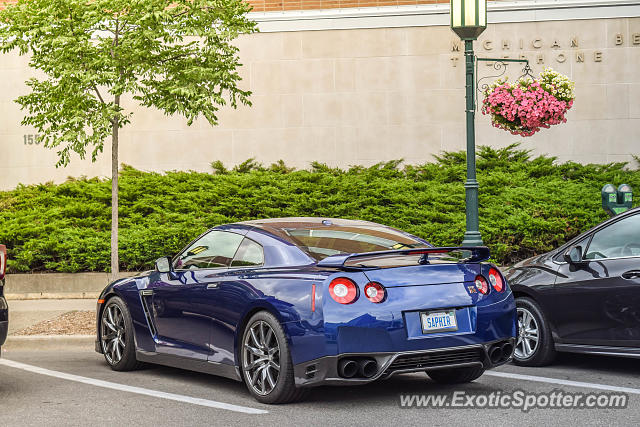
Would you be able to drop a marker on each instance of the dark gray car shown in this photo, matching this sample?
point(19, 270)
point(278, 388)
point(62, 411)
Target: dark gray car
point(583, 297)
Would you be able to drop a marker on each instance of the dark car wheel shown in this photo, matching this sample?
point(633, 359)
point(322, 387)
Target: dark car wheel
point(534, 346)
point(456, 375)
point(267, 369)
point(116, 336)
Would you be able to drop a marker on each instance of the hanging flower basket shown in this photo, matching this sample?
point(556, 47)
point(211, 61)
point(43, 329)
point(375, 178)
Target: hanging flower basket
point(530, 104)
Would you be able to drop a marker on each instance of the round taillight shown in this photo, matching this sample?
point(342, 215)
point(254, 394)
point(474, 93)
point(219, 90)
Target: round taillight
point(343, 290)
point(481, 285)
point(495, 278)
point(375, 292)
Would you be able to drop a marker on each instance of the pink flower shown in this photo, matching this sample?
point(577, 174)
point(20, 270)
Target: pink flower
point(524, 111)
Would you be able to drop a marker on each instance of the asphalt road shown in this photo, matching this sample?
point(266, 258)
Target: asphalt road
point(37, 398)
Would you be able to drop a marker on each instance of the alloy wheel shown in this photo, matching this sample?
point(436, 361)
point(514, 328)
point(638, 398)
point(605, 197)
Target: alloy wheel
point(112, 334)
point(261, 359)
point(528, 337)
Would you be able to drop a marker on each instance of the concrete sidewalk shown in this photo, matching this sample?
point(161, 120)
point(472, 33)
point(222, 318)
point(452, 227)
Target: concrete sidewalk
point(26, 313)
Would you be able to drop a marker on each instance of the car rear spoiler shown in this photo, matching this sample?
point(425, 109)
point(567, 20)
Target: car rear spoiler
point(478, 254)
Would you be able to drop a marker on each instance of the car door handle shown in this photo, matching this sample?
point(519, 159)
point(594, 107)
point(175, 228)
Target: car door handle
point(632, 274)
point(212, 286)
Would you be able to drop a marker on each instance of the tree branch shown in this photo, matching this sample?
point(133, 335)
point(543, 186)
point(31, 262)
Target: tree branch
point(115, 40)
point(84, 65)
point(98, 93)
point(177, 15)
point(178, 56)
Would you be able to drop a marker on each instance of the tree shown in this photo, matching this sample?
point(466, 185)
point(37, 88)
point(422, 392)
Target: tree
point(173, 55)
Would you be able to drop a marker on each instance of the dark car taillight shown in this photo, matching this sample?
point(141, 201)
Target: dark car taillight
point(481, 285)
point(496, 280)
point(375, 292)
point(3, 261)
point(343, 290)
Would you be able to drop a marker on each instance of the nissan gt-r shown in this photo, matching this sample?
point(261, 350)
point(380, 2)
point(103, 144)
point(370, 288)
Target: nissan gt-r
point(291, 303)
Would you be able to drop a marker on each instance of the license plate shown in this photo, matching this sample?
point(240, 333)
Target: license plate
point(439, 321)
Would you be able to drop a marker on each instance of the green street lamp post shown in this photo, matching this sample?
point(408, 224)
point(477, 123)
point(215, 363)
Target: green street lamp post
point(468, 21)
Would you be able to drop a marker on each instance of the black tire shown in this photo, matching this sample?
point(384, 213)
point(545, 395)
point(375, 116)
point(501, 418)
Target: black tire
point(127, 360)
point(456, 375)
point(544, 352)
point(285, 390)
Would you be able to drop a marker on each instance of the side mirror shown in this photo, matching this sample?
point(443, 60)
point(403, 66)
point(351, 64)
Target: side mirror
point(163, 265)
point(573, 255)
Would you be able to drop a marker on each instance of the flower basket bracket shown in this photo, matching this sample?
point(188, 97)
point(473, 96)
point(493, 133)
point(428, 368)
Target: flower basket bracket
point(500, 65)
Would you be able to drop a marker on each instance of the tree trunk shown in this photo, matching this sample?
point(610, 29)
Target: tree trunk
point(115, 263)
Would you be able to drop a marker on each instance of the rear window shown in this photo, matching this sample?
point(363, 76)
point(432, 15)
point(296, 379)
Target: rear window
point(322, 242)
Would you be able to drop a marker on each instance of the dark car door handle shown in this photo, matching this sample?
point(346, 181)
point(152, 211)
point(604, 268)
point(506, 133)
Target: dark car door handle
point(212, 286)
point(633, 274)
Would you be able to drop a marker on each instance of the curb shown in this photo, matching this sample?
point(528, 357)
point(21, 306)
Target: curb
point(48, 342)
point(52, 295)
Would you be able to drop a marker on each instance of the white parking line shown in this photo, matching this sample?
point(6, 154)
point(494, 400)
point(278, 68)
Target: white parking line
point(563, 382)
point(131, 389)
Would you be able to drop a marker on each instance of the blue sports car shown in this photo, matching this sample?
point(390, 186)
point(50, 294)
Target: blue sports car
point(290, 303)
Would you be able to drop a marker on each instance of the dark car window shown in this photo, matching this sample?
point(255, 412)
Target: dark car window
point(620, 239)
point(249, 254)
point(323, 242)
point(213, 250)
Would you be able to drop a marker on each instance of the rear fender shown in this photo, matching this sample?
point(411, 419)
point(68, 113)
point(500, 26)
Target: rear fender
point(304, 333)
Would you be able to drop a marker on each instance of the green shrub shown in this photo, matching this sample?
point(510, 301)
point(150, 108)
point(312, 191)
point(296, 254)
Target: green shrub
point(527, 206)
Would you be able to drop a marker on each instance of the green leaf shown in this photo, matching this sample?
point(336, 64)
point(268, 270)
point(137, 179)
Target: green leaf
point(175, 56)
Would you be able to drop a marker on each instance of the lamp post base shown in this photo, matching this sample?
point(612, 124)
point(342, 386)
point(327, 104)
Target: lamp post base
point(472, 238)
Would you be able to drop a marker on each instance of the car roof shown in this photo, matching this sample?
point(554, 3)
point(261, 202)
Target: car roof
point(307, 222)
point(268, 231)
point(281, 227)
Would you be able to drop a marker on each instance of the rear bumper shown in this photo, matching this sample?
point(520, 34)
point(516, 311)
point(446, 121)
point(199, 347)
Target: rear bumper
point(324, 370)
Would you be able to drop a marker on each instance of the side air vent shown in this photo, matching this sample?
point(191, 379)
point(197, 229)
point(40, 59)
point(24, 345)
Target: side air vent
point(310, 371)
point(144, 296)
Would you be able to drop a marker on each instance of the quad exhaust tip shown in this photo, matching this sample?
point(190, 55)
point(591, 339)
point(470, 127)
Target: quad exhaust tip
point(507, 350)
point(361, 368)
point(368, 368)
point(500, 352)
point(347, 368)
point(495, 354)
